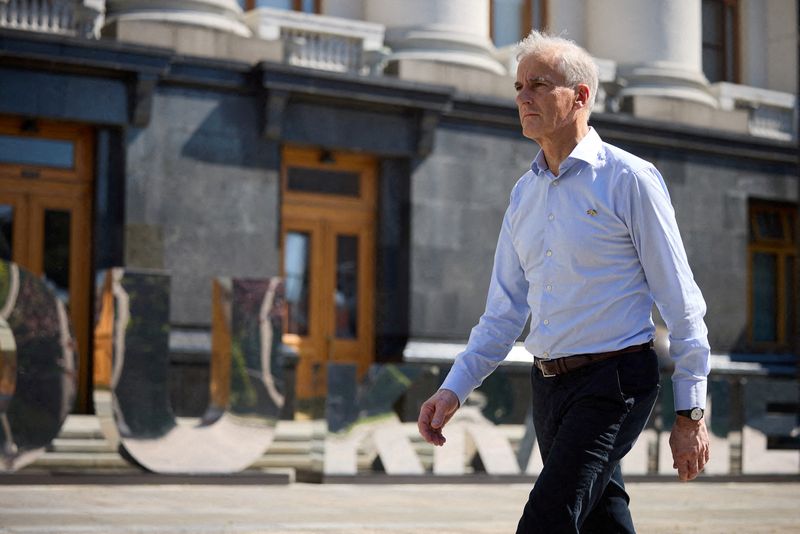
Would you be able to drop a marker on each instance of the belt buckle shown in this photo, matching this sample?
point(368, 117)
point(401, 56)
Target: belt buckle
point(545, 374)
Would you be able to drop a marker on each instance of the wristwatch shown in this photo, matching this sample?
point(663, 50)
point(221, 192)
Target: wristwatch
point(695, 414)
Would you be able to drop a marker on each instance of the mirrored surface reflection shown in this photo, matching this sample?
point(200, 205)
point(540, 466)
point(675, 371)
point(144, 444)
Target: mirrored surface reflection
point(363, 416)
point(131, 367)
point(37, 366)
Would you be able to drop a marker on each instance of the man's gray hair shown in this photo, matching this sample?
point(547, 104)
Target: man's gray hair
point(573, 62)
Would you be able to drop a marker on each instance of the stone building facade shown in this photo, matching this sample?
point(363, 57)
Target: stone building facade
point(366, 148)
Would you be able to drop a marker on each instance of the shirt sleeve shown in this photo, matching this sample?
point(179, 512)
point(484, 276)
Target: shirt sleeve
point(654, 230)
point(501, 323)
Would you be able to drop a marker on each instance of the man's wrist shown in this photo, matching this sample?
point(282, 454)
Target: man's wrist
point(694, 414)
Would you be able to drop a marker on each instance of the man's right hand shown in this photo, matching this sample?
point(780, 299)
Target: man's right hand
point(435, 413)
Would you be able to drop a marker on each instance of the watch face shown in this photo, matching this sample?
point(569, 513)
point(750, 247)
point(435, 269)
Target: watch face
point(696, 414)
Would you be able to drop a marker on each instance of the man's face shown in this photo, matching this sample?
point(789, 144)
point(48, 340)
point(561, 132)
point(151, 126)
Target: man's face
point(544, 102)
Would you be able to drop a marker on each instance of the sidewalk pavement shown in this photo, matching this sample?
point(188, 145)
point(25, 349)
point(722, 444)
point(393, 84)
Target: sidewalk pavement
point(663, 507)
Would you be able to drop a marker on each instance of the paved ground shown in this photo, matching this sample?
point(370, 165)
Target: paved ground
point(709, 508)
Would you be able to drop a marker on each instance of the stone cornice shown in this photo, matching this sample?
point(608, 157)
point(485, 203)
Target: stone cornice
point(382, 91)
point(80, 55)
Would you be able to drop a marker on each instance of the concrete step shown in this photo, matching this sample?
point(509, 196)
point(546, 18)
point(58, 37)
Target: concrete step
point(81, 446)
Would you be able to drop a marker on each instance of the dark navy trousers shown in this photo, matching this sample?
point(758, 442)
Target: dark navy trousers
point(585, 422)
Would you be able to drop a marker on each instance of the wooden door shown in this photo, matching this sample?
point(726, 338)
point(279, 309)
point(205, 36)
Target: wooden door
point(328, 244)
point(45, 217)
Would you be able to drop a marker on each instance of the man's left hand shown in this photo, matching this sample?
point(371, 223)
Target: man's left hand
point(690, 449)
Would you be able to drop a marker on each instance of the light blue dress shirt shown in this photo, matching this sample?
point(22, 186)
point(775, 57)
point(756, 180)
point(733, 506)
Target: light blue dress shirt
point(586, 254)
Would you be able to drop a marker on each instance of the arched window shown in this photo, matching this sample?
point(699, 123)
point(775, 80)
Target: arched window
point(511, 20)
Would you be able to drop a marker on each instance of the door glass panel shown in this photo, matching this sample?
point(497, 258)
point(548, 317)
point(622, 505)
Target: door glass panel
point(36, 151)
point(770, 225)
point(56, 250)
point(346, 297)
point(765, 295)
point(296, 260)
point(6, 231)
point(324, 182)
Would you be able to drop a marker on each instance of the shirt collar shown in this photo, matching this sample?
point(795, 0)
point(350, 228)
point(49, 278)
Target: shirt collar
point(587, 149)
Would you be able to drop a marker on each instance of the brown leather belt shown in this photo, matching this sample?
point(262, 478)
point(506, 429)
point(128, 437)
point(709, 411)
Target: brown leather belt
point(560, 366)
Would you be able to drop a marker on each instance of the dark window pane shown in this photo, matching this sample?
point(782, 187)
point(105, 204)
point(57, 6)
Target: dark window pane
point(35, 151)
point(712, 21)
point(729, 44)
point(324, 182)
point(506, 21)
point(714, 42)
point(278, 4)
point(346, 297)
point(790, 296)
point(765, 296)
point(537, 21)
point(770, 225)
point(6, 232)
point(56, 250)
point(296, 261)
point(308, 6)
point(712, 65)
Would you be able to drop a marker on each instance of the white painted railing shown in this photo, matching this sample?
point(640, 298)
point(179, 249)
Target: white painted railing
point(321, 42)
point(66, 17)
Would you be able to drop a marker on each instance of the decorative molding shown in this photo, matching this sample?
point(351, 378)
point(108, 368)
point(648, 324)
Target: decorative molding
point(140, 98)
point(274, 109)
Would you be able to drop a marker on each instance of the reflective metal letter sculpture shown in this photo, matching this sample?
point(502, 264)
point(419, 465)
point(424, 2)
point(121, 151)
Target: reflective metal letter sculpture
point(364, 415)
point(131, 366)
point(37, 366)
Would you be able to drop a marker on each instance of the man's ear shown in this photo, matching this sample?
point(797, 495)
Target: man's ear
point(582, 95)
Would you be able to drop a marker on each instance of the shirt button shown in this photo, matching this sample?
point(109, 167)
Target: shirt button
point(546, 355)
point(549, 253)
point(546, 322)
point(549, 287)
point(555, 182)
point(551, 217)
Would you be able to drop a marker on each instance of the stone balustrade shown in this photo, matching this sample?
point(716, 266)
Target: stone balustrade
point(321, 42)
point(770, 113)
point(67, 17)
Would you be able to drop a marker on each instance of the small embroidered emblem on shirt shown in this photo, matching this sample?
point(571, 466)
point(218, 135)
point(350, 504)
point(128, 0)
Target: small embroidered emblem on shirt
point(592, 212)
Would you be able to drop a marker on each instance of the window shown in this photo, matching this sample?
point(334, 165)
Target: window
point(721, 40)
point(511, 20)
point(308, 6)
point(773, 294)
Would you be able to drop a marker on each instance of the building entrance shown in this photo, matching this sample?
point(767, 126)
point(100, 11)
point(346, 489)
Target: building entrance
point(328, 244)
point(45, 217)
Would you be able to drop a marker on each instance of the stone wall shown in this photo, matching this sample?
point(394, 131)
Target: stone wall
point(201, 196)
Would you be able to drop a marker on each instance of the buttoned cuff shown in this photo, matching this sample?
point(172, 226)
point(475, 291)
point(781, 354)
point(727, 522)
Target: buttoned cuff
point(689, 394)
point(459, 386)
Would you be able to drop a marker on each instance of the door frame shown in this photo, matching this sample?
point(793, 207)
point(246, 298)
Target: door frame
point(325, 216)
point(36, 188)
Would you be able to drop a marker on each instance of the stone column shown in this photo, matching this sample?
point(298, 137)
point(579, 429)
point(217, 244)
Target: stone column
point(222, 15)
point(441, 31)
point(657, 45)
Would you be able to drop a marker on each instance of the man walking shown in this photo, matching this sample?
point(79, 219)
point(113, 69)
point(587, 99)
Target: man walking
point(589, 241)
